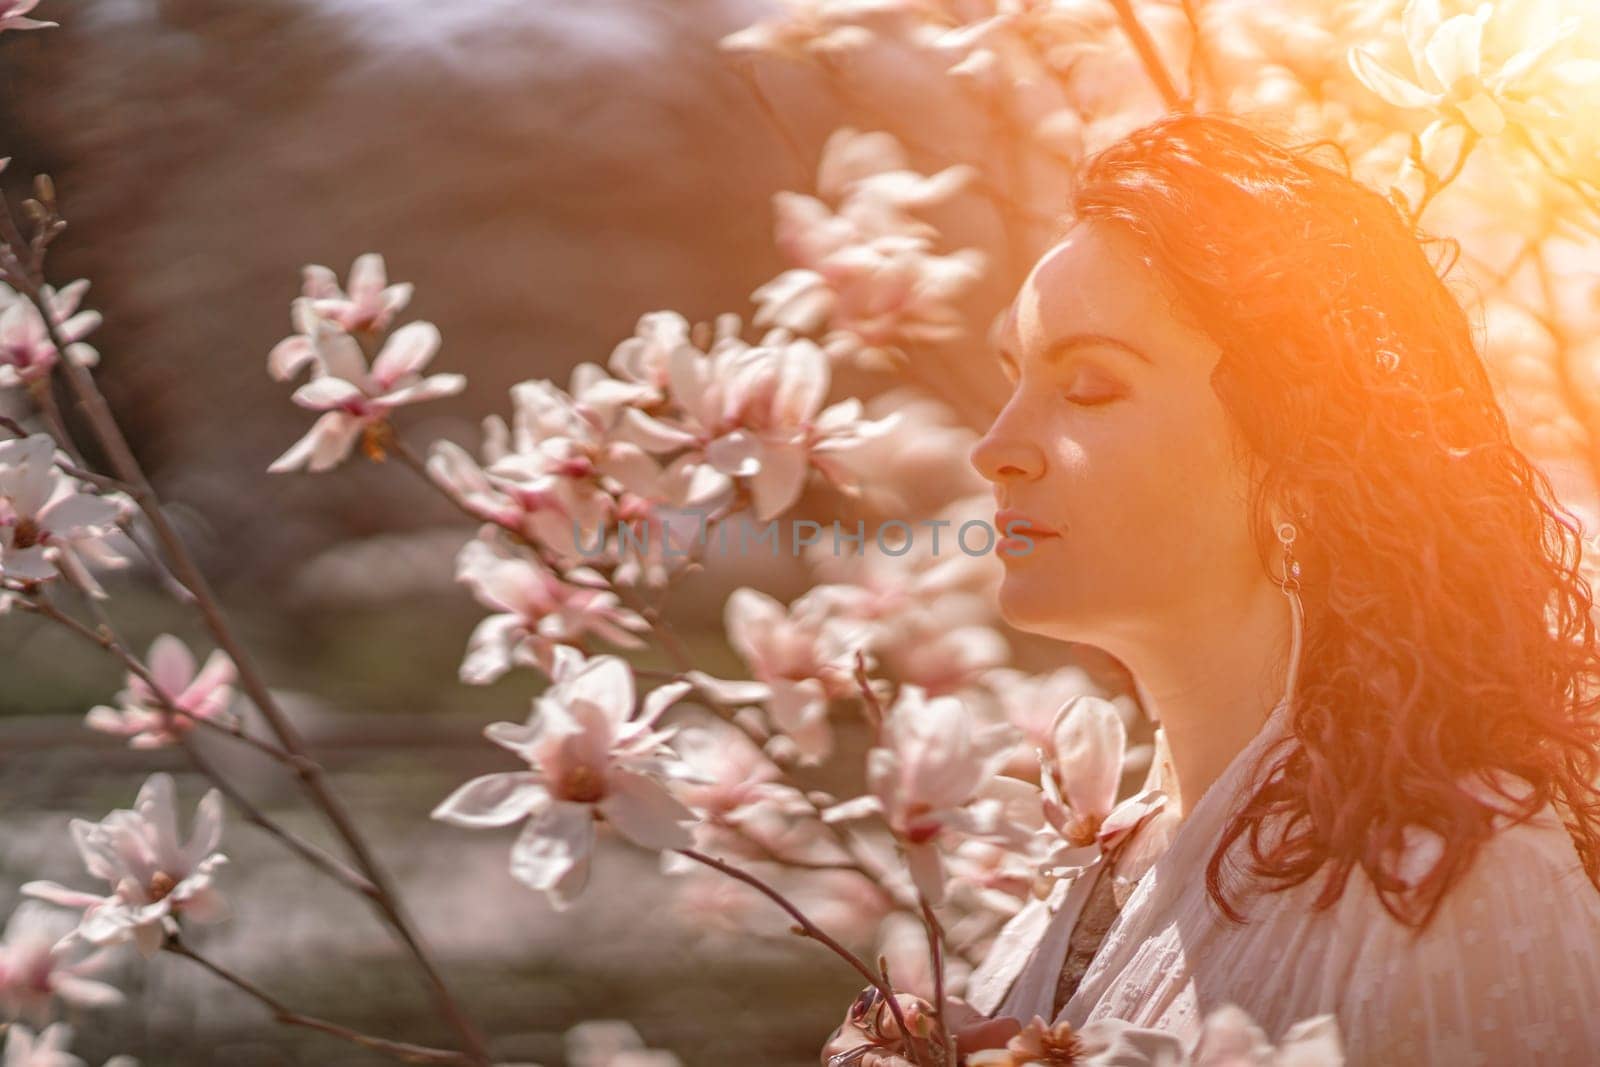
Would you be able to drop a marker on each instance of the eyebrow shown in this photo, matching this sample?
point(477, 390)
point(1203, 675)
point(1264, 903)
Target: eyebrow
point(1060, 347)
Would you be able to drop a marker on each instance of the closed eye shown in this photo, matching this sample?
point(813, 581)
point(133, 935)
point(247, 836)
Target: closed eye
point(1094, 390)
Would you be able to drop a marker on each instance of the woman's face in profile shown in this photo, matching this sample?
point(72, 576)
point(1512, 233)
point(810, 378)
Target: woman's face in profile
point(1114, 442)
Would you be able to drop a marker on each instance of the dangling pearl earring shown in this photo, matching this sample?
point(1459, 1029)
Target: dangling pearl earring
point(1290, 584)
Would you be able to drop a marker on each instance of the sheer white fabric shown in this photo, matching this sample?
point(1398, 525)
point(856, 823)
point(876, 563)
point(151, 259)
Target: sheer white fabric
point(1507, 973)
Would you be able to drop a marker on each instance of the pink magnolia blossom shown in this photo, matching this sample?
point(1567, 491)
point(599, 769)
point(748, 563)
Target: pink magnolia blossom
point(1081, 771)
point(140, 714)
point(735, 781)
point(24, 1048)
point(356, 398)
point(644, 360)
point(27, 354)
point(935, 775)
point(590, 758)
point(799, 659)
point(44, 519)
point(751, 416)
point(39, 966)
point(369, 307)
point(48, 1048)
point(865, 268)
point(154, 878)
point(1032, 703)
point(12, 14)
point(537, 610)
point(370, 304)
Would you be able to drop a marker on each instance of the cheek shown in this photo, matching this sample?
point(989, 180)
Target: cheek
point(1157, 497)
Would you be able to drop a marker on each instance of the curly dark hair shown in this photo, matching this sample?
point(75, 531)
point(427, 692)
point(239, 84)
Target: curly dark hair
point(1449, 632)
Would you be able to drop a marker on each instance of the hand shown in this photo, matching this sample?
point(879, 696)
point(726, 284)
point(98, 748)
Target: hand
point(869, 1036)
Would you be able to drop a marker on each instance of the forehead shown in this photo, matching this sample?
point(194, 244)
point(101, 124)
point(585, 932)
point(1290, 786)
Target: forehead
point(1095, 280)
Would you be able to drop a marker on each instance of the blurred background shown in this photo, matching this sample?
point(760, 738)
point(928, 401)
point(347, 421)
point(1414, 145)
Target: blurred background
point(545, 173)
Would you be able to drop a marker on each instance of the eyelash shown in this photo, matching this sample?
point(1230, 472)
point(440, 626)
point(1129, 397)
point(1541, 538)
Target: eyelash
point(1115, 393)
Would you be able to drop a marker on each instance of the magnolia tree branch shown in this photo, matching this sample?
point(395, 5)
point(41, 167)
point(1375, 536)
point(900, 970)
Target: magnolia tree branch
point(1142, 43)
point(107, 640)
point(108, 433)
point(806, 928)
point(281, 1013)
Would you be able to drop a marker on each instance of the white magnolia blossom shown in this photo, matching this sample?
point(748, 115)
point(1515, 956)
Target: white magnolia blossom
point(27, 354)
point(141, 715)
point(935, 774)
point(41, 966)
point(154, 877)
point(590, 758)
point(356, 398)
point(1451, 76)
point(536, 611)
point(46, 522)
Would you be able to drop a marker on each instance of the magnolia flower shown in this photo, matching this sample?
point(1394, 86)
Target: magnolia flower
point(537, 610)
point(1451, 77)
point(356, 398)
point(1032, 703)
point(49, 1048)
point(27, 354)
point(1080, 771)
point(371, 303)
point(936, 773)
point(735, 782)
point(38, 967)
point(43, 516)
point(589, 758)
point(799, 659)
point(141, 714)
point(753, 413)
point(154, 878)
point(864, 267)
point(46, 1049)
point(370, 306)
point(11, 18)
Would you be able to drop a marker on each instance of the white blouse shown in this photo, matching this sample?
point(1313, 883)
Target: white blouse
point(1508, 972)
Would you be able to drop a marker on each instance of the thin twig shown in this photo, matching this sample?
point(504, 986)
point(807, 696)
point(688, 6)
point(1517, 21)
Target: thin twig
point(282, 1013)
point(108, 433)
point(806, 928)
point(107, 640)
point(1139, 37)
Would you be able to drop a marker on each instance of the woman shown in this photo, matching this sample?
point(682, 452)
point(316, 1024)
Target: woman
point(1238, 380)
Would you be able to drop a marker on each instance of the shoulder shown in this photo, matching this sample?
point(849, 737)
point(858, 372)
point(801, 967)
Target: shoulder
point(1509, 965)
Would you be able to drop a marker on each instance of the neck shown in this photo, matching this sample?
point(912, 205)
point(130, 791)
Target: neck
point(1211, 687)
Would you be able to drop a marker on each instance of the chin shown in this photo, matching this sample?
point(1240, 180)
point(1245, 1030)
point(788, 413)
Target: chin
point(1030, 606)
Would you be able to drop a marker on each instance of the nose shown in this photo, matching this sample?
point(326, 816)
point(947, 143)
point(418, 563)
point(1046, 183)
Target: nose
point(1001, 456)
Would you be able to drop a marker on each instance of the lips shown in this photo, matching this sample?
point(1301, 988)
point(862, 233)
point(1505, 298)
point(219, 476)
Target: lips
point(1011, 523)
